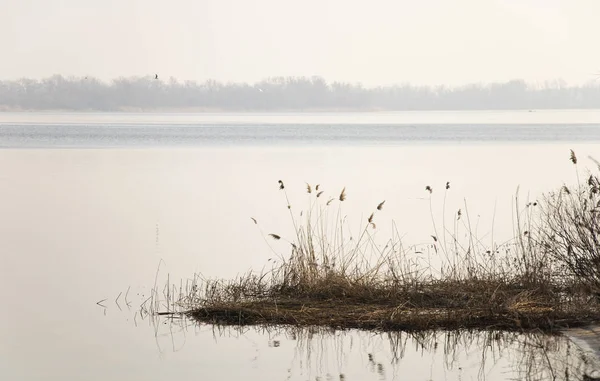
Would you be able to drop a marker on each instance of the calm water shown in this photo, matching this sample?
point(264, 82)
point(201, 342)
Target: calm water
point(42, 130)
point(79, 225)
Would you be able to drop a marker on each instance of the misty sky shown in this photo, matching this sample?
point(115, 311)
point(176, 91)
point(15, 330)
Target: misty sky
point(374, 42)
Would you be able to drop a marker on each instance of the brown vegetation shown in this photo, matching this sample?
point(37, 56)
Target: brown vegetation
point(547, 278)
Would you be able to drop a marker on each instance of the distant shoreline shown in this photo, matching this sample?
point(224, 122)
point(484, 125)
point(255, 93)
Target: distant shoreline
point(284, 94)
point(175, 110)
point(202, 110)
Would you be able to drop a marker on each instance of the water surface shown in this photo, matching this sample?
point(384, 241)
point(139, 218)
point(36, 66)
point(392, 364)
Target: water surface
point(194, 130)
point(78, 225)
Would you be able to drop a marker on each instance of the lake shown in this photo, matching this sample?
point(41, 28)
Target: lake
point(93, 202)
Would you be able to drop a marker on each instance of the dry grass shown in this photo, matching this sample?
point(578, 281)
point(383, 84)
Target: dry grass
point(372, 316)
point(442, 304)
point(546, 278)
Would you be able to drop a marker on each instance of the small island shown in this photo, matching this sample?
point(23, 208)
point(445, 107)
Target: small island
point(547, 278)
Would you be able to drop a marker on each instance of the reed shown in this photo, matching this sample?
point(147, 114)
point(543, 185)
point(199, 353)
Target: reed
point(547, 277)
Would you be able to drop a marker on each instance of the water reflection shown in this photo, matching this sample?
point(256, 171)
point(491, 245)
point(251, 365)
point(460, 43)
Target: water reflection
point(314, 353)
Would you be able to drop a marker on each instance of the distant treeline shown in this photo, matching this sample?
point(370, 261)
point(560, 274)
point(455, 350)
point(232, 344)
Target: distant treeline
point(283, 93)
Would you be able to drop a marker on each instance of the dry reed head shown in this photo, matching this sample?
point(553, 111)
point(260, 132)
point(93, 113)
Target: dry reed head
point(281, 186)
point(254, 219)
point(380, 206)
point(320, 193)
point(330, 201)
point(275, 236)
point(343, 194)
point(371, 217)
point(447, 185)
point(573, 157)
point(308, 188)
point(428, 188)
point(317, 187)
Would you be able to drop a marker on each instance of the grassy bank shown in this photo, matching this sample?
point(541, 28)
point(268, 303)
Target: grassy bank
point(547, 277)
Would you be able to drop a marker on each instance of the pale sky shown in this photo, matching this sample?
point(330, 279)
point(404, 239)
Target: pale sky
point(374, 42)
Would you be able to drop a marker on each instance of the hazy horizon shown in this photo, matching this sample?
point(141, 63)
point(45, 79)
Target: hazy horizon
point(284, 93)
point(542, 83)
point(386, 42)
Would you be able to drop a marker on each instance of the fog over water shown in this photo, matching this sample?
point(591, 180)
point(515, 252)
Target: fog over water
point(139, 140)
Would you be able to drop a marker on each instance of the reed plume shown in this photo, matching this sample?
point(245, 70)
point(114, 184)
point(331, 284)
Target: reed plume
point(343, 194)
